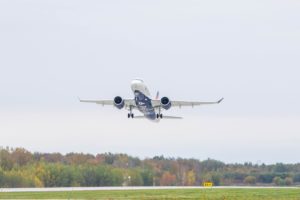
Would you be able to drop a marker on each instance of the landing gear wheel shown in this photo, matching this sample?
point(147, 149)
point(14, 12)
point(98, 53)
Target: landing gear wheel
point(159, 116)
point(130, 114)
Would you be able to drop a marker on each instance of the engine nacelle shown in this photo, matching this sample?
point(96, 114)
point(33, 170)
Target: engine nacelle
point(165, 103)
point(119, 102)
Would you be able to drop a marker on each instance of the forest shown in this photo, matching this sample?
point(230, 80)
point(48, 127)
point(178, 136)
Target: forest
point(22, 168)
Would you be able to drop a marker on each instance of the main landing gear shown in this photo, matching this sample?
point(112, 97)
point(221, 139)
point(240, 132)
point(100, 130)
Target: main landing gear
point(130, 114)
point(159, 116)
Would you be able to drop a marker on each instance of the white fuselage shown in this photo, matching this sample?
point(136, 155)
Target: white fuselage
point(143, 99)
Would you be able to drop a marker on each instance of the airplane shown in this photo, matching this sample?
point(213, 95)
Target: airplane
point(150, 108)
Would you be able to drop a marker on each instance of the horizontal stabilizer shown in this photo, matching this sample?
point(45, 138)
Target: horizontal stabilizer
point(164, 117)
point(171, 117)
point(139, 117)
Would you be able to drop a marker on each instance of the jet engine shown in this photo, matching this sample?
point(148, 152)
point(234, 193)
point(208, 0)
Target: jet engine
point(165, 103)
point(119, 102)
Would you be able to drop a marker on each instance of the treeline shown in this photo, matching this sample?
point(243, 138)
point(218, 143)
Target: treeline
point(21, 168)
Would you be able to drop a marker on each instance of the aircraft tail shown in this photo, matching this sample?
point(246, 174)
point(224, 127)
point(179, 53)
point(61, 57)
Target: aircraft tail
point(157, 95)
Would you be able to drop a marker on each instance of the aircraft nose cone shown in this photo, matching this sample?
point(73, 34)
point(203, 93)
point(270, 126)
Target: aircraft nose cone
point(136, 83)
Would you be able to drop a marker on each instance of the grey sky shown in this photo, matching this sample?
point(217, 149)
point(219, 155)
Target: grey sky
point(246, 51)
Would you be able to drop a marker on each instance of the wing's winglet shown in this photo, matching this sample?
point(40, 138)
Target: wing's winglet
point(220, 100)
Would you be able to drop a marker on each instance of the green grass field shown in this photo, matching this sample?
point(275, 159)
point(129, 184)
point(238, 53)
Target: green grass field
point(209, 193)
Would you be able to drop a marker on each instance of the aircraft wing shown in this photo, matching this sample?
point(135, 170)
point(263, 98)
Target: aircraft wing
point(156, 103)
point(128, 102)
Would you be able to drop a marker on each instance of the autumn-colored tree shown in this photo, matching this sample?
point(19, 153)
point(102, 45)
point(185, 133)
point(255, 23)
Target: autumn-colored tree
point(278, 181)
point(6, 161)
point(250, 180)
point(190, 178)
point(21, 156)
point(21, 168)
point(168, 179)
point(78, 158)
point(288, 181)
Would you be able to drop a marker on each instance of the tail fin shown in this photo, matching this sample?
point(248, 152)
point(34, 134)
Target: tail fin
point(157, 95)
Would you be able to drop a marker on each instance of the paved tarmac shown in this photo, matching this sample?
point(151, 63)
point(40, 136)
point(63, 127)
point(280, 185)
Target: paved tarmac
point(57, 189)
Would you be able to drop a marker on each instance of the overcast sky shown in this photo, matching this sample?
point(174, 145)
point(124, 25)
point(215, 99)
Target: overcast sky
point(245, 51)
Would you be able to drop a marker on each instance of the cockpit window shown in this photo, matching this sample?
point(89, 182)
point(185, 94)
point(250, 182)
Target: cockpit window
point(139, 80)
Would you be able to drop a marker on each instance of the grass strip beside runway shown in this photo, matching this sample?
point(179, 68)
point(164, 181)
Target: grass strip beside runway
point(209, 194)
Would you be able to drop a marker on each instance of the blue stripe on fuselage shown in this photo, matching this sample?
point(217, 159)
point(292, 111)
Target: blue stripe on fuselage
point(144, 105)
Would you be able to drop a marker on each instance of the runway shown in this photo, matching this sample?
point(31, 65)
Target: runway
point(64, 189)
